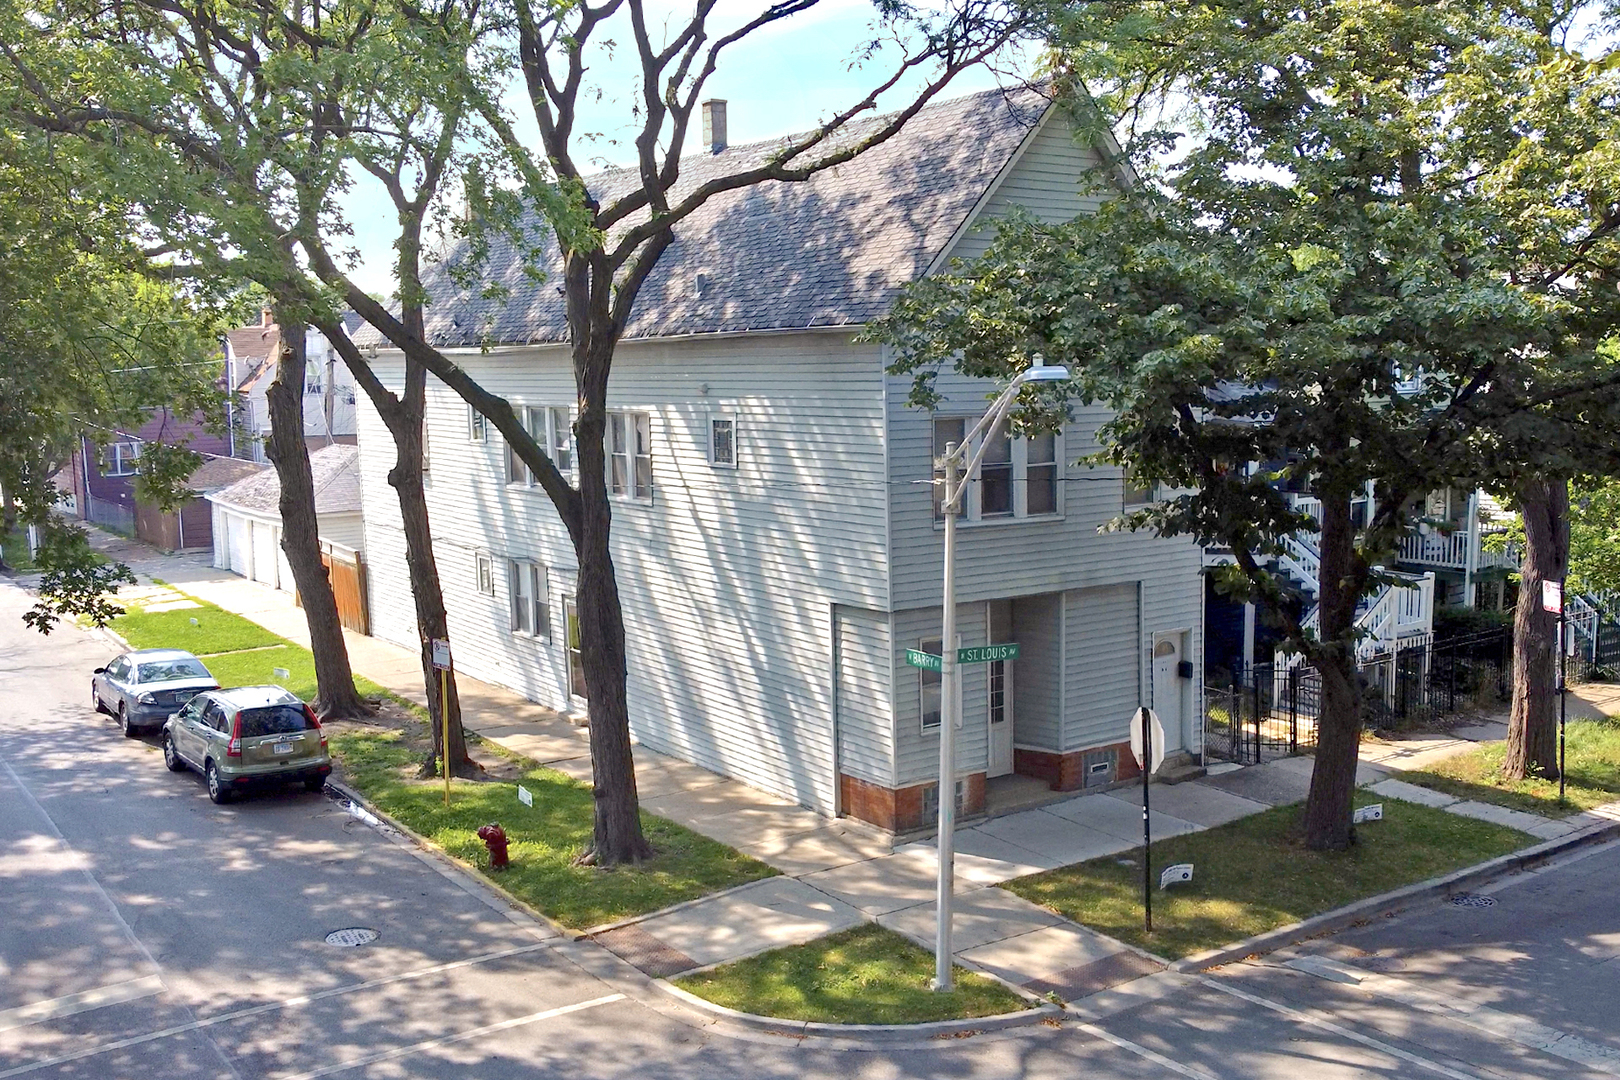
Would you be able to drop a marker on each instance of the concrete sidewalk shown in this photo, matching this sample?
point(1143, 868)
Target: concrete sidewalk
point(839, 872)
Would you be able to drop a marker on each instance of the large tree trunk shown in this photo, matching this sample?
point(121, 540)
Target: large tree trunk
point(1532, 743)
point(300, 538)
point(1338, 729)
point(618, 837)
point(431, 620)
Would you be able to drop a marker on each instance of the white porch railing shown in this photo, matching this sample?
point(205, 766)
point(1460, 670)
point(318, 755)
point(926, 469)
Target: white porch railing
point(1583, 617)
point(1396, 612)
point(1300, 558)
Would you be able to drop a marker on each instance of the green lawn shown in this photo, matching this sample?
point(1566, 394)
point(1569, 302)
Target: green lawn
point(546, 838)
point(216, 630)
point(1591, 759)
point(865, 975)
point(15, 548)
point(257, 667)
point(1251, 875)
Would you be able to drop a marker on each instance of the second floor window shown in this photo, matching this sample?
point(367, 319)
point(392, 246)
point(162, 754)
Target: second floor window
point(553, 430)
point(121, 459)
point(1018, 477)
point(477, 425)
point(929, 687)
point(630, 455)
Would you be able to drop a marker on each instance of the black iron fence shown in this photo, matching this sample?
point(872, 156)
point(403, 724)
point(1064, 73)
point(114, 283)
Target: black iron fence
point(1598, 660)
point(1270, 710)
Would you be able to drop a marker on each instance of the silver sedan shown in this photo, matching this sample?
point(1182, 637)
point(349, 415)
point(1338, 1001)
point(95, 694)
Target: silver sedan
point(144, 688)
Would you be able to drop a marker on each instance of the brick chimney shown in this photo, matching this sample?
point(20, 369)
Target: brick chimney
point(714, 124)
point(267, 317)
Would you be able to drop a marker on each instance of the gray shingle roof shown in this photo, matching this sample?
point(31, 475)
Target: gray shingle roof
point(833, 250)
point(336, 470)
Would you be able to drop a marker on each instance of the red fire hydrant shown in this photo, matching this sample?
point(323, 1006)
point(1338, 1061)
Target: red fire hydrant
point(494, 838)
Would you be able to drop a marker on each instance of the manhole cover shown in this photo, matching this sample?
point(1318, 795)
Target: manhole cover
point(1469, 899)
point(354, 935)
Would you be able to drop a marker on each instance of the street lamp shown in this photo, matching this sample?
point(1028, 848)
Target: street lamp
point(951, 704)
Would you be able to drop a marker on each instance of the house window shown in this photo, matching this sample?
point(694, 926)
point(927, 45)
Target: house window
point(1135, 494)
point(723, 441)
point(477, 425)
point(560, 439)
point(121, 459)
point(630, 450)
point(484, 571)
point(530, 609)
point(427, 465)
point(1018, 477)
point(996, 476)
point(998, 691)
point(1040, 475)
point(551, 429)
point(929, 684)
point(576, 657)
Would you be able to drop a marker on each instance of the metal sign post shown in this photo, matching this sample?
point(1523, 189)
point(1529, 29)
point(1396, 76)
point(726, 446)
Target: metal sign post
point(945, 885)
point(1552, 599)
point(441, 662)
point(1147, 746)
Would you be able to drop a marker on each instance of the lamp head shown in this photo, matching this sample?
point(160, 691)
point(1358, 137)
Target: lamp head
point(1043, 373)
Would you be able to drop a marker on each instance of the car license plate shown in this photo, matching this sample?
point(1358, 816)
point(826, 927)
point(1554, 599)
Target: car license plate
point(282, 748)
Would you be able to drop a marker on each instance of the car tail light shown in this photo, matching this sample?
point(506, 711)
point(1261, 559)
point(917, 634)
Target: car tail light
point(234, 747)
point(309, 712)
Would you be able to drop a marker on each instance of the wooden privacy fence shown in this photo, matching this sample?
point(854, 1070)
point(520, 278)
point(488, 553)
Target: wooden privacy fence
point(346, 569)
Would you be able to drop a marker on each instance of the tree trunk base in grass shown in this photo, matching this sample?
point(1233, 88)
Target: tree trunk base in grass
point(1532, 742)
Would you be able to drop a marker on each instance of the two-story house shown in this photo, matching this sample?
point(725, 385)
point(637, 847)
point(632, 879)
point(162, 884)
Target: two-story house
point(251, 355)
point(776, 532)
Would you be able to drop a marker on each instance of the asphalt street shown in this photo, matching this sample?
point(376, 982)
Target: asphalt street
point(145, 932)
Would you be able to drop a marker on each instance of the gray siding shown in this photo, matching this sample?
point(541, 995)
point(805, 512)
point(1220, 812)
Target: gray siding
point(727, 577)
point(1037, 674)
point(1049, 181)
point(1102, 675)
point(865, 706)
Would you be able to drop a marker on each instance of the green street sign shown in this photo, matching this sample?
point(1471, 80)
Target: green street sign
point(979, 654)
point(926, 661)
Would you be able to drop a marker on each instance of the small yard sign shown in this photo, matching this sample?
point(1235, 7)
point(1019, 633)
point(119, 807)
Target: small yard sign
point(281, 673)
point(1375, 812)
point(1552, 596)
point(441, 654)
point(1177, 874)
point(524, 796)
point(926, 661)
point(979, 654)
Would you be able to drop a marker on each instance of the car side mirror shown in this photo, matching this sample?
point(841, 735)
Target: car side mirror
point(99, 671)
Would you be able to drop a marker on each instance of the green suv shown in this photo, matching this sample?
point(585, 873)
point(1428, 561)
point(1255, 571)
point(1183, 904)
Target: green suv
point(247, 736)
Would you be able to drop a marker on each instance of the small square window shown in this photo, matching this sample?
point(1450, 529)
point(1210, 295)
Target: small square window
point(723, 441)
point(484, 570)
point(1135, 493)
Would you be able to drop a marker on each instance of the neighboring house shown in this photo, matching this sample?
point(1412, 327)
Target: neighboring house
point(251, 354)
point(247, 528)
point(103, 472)
point(1445, 557)
point(775, 538)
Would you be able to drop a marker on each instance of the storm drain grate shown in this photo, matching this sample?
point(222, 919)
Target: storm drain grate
point(354, 935)
point(1469, 899)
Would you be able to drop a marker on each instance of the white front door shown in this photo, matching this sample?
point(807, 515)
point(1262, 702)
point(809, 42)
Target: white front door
point(1167, 688)
point(1001, 717)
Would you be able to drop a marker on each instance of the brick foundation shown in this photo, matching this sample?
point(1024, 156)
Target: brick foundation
point(900, 809)
point(1066, 772)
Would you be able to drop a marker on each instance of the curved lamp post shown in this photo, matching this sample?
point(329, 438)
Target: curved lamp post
point(951, 711)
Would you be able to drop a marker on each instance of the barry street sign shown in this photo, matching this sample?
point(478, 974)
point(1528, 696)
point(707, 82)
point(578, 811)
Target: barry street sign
point(925, 660)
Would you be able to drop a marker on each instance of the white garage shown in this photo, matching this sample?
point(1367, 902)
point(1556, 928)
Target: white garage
point(247, 517)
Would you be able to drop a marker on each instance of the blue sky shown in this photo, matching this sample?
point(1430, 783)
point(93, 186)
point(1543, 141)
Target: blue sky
point(785, 78)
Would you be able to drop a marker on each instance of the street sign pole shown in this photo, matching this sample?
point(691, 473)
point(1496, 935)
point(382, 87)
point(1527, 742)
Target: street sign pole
point(1563, 691)
point(945, 886)
point(440, 654)
point(1147, 833)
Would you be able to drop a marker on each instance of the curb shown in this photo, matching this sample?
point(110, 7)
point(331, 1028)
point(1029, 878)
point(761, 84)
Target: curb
point(451, 861)
point(1388, 903)
point(804, 1028)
